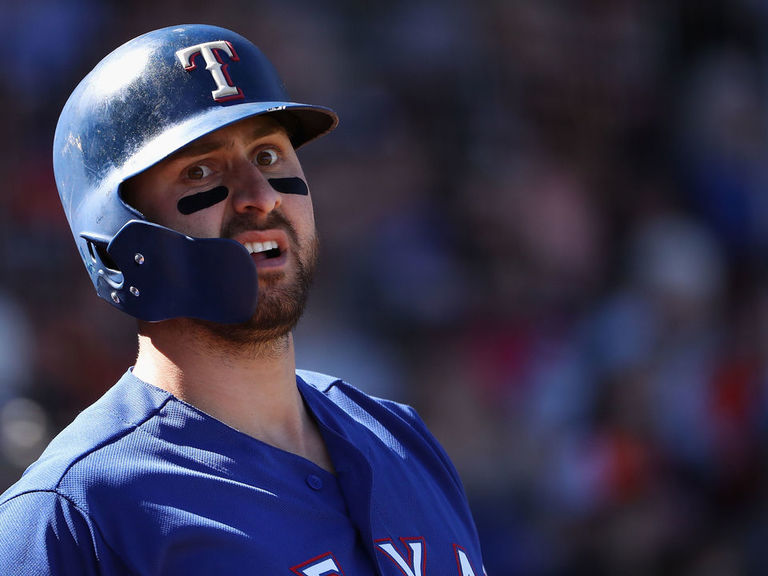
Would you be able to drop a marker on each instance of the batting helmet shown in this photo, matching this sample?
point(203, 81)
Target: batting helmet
point(145, 100)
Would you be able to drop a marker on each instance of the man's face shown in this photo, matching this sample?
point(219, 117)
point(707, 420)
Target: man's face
point(226, 184)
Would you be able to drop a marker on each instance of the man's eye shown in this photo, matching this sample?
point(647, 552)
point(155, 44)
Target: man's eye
point(198, 172)
point(266, 157)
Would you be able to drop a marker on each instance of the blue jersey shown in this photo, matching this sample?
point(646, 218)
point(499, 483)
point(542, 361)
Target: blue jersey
point(143, 483)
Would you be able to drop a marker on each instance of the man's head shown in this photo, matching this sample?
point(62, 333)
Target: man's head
point(242, 182)
point(157, 247)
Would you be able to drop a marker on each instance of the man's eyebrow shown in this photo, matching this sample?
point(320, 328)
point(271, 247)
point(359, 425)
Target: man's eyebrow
point(202, 147)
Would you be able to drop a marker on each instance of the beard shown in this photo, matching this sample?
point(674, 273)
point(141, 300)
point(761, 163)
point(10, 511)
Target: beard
point(281, 298)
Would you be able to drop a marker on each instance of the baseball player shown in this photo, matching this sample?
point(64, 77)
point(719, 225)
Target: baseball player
point(176, 166)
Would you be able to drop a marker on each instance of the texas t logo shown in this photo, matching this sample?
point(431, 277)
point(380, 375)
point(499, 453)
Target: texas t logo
point(210, 51)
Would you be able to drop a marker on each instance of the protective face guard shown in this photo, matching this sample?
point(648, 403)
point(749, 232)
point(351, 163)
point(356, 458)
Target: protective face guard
point(148, 98)
point(163, 274)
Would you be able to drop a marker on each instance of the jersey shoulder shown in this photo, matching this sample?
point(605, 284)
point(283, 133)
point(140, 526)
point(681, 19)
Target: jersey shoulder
point(352, 399)
point(392, 422)
point(81, 445)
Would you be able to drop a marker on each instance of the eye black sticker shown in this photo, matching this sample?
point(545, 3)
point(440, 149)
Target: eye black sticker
point(202, 200)
point(293, 185)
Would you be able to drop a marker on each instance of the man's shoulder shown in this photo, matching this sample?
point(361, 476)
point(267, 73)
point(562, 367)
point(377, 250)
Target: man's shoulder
point(91, 443)
point(322, 382)
point(354, 406)
point(343, 393)
point(359, 417)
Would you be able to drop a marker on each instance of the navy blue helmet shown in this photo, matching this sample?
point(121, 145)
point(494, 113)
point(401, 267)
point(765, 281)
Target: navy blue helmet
point(145, 100)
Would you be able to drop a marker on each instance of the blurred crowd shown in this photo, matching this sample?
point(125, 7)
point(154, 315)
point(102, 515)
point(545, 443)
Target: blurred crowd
point(544, 224)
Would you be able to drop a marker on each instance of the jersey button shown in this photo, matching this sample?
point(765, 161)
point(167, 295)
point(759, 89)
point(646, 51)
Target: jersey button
point(314, 482)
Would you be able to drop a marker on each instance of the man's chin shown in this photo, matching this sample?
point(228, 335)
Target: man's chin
point(282, 299)
point(269, 323)
point(280, 307)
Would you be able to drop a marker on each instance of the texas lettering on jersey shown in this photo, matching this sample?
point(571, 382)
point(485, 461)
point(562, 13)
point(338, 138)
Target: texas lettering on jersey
point(413, 563)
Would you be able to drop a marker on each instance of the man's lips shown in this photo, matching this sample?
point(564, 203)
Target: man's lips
point(268, 249)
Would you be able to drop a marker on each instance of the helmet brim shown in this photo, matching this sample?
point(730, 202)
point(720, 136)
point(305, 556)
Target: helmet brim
point(303, 122)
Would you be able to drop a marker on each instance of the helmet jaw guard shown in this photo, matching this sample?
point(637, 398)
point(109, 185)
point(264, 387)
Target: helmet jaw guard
point(148, 98)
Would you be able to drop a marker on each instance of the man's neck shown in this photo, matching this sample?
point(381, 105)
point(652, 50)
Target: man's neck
point(251, 388)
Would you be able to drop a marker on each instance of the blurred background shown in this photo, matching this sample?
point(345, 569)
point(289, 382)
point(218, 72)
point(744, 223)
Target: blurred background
point(544, 224)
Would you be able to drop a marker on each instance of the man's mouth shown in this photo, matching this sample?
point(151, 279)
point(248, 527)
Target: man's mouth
point(263, 250)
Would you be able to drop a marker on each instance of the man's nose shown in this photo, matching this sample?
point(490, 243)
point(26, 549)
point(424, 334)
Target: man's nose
point(251, 190)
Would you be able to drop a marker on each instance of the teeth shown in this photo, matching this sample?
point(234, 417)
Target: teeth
point(256, 247)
